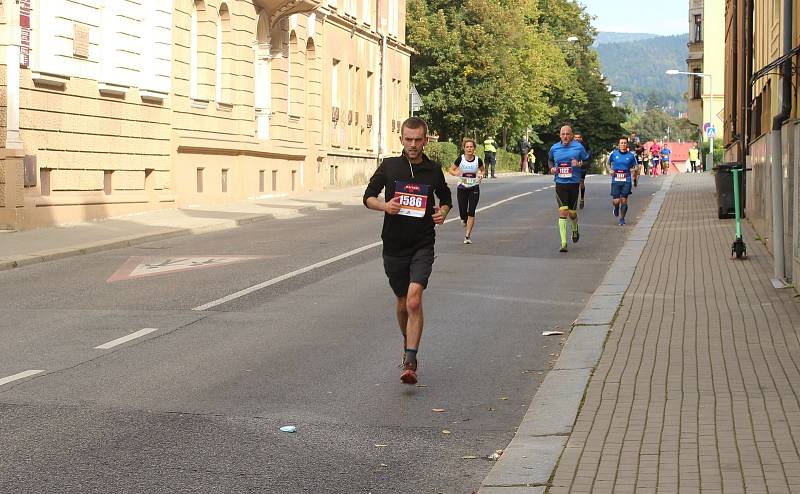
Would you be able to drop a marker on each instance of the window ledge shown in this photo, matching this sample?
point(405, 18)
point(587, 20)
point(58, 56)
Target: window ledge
point(107, 89)
point(152, 96)
point(224, 106)
point(199, 103)
point(295, 117)
point(54, 81)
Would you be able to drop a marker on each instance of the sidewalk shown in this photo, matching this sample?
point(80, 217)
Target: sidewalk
point(697, 386)
point(44, 244)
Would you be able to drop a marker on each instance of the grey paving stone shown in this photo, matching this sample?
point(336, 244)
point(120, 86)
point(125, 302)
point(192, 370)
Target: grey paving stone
point(556, 403)
point(583, 348)
point(511, 490)
point(526, 461)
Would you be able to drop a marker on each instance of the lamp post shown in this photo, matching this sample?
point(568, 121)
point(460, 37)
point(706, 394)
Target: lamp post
point(710, 160)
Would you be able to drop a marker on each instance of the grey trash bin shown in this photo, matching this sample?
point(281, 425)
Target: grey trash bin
point(723, 179)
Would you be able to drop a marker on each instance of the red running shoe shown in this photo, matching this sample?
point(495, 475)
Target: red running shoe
point(409, 375)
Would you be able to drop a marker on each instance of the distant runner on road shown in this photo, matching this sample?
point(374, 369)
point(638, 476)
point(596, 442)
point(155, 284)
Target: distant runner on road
point(565, 158)
point(583, 171)
point(470, 171)
point(409, 183)
point(622, 164)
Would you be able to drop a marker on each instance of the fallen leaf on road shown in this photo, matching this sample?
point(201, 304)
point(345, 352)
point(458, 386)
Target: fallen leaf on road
point(496, 455)
point(384, 465)
point(469, 457)
point(380, 445)
point(422, 385)
point(552, 333)
point(437, 409)
point(288, 428)
point(504, 398)
point(445, 431)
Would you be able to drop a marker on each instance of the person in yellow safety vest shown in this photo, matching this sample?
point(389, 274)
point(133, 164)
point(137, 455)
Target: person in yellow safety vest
point(490, 153)
point(694, 154)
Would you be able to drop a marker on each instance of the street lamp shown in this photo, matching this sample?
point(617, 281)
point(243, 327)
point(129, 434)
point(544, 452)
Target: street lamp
point(710, 160)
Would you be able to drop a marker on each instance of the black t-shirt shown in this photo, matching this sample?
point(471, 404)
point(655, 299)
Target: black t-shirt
point(402, 235)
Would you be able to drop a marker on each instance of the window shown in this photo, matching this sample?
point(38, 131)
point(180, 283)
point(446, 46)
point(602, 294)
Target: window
point(193, 56)
point(223, 71)
point(698, 28)
point(335, 83)
point(263, 78)
point(697, 87)
point(295, 77)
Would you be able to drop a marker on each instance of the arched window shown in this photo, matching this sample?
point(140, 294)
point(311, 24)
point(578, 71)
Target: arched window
point(263, 78)
point(313, 95)
point(293, 74)
point(223, 71)
point(197, 7)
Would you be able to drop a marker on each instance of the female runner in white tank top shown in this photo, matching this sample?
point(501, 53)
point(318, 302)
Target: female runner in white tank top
point(470, 171)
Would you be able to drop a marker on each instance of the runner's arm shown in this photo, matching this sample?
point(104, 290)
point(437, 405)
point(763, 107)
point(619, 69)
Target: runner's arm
point(442, 191)
point(376, 184)
point(454, 169)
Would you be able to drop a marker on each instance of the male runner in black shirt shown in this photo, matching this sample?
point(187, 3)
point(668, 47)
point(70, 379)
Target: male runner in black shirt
point(409, 182)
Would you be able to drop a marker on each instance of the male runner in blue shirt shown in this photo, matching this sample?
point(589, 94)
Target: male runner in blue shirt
point(622, 163)
point(566, 160)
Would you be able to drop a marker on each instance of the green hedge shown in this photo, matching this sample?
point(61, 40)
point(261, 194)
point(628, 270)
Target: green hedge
point(446, 153)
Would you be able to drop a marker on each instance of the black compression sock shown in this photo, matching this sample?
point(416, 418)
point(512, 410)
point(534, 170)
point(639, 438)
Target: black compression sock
point(623, 210)
point(411, 357)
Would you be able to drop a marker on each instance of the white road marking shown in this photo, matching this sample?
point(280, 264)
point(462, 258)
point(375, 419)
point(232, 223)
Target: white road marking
point(132, 336)
point(242, 293)
point(21, 375)
point(273, 281)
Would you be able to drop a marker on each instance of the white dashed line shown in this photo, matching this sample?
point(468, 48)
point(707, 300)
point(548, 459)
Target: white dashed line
point(21, 375)
point(273, 281)
point(132, 336)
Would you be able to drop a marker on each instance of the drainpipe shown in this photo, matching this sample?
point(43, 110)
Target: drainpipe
point(381, 78)
point(748, 90)
point(785, 100)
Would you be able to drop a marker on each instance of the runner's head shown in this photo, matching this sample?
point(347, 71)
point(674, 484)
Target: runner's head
point(623, 144)
point(468, 143)
point(414, 137)
point(565, 134)
point(578, 137)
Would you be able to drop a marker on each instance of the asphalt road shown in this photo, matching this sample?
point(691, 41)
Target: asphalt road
point(195, 405)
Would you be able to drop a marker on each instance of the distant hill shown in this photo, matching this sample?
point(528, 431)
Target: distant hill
point(637, 69)
point(604, 37)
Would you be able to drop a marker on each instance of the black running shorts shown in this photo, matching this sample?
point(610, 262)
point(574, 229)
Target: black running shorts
point(416, 268)
point(468, 201)
point(567, 195)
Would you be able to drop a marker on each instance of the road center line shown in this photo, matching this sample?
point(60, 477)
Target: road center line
point(273, 281)
point(132, 336)
point(21, 375)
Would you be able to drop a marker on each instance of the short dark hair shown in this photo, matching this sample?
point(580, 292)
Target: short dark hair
point(414, 123)
point(624, 137)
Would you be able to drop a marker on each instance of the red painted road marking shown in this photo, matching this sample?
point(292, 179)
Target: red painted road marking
point(140, 267)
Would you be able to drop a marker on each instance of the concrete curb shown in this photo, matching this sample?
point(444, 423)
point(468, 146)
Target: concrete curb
point(530, 459)
point(164, 233)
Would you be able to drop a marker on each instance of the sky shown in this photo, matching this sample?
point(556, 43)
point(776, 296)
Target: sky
point(664, 17)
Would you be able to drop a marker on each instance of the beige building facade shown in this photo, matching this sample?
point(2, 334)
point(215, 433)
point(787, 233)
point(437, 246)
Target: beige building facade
point(762, 128)
point(112, 107)
point(694, 63)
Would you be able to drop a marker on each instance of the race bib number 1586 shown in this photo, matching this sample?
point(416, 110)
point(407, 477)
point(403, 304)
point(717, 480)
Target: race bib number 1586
point(413, 198)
